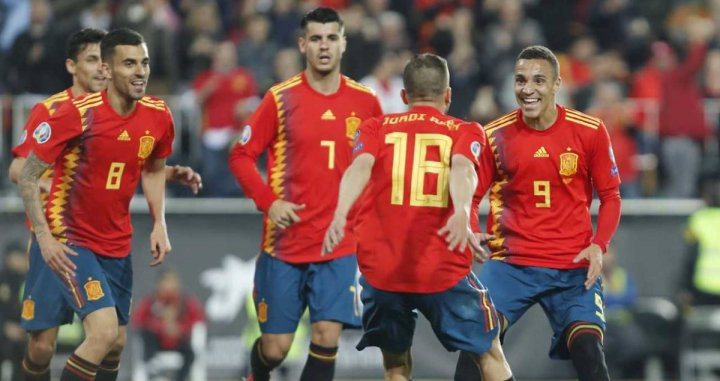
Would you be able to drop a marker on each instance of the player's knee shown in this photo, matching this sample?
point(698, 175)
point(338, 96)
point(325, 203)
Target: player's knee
point(326, 333)
point(587, 356)
point(119, 344)
point(105, 336)
point(275, 348)
point(41, 348)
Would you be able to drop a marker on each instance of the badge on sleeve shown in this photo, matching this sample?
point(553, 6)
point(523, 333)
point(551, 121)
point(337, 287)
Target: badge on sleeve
point(246, 134)
point(475, 148)
point(42, 133)
point(614, 170)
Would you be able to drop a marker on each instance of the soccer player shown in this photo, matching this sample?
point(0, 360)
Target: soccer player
point(100, 145)
point(84, 64)
point(307, 124)
point(422, 166)
point(547, 160)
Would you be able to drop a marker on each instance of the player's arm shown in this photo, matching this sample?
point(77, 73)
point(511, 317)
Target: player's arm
point(52, 251)
point(352, 185)
point(462, 183)
point(16, 166)
point(184, 175)
point(606, 181)
point(20, 152)
point(153, 185)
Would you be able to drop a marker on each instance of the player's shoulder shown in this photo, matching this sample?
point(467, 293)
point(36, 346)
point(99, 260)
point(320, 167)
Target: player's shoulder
point(502, 122)
point(87, 101)
point(581, 120)
point(153, 103)
point(286, 85)
point(358, 87)
point(50, 102)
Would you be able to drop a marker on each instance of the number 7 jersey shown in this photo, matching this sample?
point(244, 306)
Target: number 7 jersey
point(98, 156)
point(542, 187)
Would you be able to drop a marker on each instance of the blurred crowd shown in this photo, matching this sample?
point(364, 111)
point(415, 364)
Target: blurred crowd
point(649, 68)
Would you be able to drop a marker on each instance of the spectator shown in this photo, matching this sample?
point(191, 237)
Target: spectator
point(682, 120)
point(284, 18)
point(288, 62)
point(166, 319)
point(227, 94)
point(386, 80)
point(12, 336)
point(199, 37)
point(256, 52)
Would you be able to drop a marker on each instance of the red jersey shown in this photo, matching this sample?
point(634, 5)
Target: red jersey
point(219, 108)
point(542, 187)
point(151, 315)
point(41, 112)
point(98, 156)
point(309, 137)
point(408, 199)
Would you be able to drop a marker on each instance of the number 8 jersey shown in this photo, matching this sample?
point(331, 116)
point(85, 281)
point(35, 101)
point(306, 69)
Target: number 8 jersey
point(98, 157)
point(408, 200)
point(542, 187)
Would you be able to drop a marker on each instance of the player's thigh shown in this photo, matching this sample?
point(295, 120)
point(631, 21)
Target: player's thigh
point(278, 294)
point(570, 304)
point(388, 319)
point(119, 275)
point(332, 294)
point(513, 289)
point(44, 306)
point(462, 317)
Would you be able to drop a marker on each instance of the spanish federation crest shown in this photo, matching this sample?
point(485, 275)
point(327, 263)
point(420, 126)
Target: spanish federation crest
point(93, 290)
point(568, 163)
point(351, 125)
point(147, 143)
point(262, 311)
point(28, 309)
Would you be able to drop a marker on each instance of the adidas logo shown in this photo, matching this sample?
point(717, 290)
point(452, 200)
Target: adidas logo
point(328, 115)
point(124, 136)
point(541, 152)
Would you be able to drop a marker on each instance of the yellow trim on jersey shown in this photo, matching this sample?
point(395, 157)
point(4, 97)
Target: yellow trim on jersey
point(582, 115)
point(358, 86)
point(496, 202)
point(55, 98)
point(94, 97)
point(282, 86)
point(503, 119)
point(581, 122)
point(57, 205)
point(155, 104)
point(582, 119)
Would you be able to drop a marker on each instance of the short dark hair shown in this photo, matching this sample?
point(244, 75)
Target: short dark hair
point(322, 15)
point(122, 36)
point(426, 76)
point(539, 52)
point(79, 40)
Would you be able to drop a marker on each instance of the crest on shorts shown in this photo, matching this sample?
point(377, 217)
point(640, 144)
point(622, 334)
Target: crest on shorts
point(147, 143)
point(28, 309)
point(93, 290)
point(262, 311)
point(568, 163)
point(352, 123)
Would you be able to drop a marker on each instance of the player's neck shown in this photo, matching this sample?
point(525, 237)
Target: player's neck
point(544, 120)
point(122, 105)
point(78, 90)
point(323, 83)
point(440, 106)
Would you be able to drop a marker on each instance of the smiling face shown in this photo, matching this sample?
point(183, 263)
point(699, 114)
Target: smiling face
point(535, 87)
point(87, 69)
point(323, 45)
point(129, 70)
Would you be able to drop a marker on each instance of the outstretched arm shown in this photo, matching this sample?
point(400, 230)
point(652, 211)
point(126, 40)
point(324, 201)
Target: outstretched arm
point(463, 181)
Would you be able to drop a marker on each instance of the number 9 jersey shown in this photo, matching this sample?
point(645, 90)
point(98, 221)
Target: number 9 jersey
point(98, 156)
point(408, 200)
point(542, 187)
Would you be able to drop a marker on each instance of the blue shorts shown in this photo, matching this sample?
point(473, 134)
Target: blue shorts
point(462, 317)
point(283, 290)
point(49, 299)
point(561, 293)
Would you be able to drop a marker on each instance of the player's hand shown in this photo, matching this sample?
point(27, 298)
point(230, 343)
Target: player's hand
point(282, 213)
point(479, 252)
point(159, 244)
point(55, 255)
point(186, 176)
point(594, 255)
point(458, 232)
point(334, 234)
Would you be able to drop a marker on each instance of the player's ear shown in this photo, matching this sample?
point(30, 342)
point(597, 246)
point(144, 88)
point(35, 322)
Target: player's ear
point(557, 84)
point(106, 70)
point(448, 96)
point(403, 95)
point(301, 43)
point(70, 66)
point(343, 40)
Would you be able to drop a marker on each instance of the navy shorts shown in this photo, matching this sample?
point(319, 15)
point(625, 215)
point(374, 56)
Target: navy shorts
point(50, 299)
point(561, 293)
point(462, 317)
point(283, 290)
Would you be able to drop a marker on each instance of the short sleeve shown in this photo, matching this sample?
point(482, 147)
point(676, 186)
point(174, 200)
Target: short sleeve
point(470, 142)
point(261, 128)
point(38, 114)
point(51, 136)
point(164, 146)
point(366, 138)
point(603, 169)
